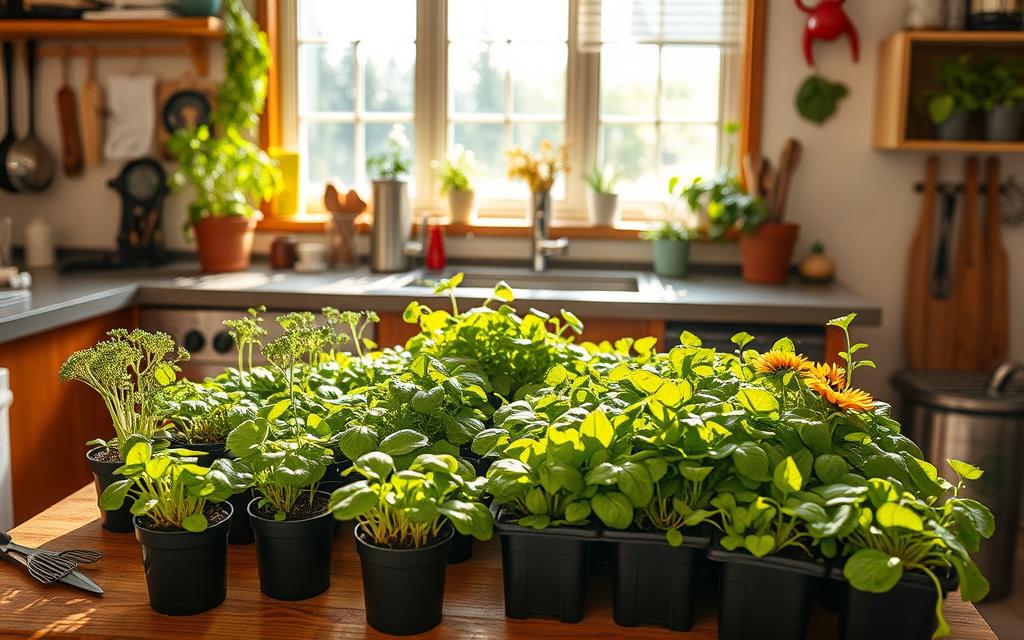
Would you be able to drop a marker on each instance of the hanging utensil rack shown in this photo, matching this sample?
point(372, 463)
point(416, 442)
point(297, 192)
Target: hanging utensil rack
point(195, 34)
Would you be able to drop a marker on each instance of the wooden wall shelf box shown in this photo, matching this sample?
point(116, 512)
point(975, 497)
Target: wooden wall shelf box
point(906, 67)
point(196, 33)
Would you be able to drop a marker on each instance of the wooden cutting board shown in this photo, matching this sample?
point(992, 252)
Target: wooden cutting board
point(969, 280)
point(67, 111)
point(996, 344)
point(90, 121)
point(919, 269)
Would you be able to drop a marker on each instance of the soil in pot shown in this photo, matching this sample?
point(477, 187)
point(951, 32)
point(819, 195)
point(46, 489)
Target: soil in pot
point(653, 582)
point(544, 571)
point(224, 243)
point(102, 462)
point(905, 612)
point(403, 589)
point(294, 555)
point(186, 573)
point(766, 598)
point(766, 255)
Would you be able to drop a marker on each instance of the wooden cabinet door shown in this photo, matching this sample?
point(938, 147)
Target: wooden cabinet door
point(52, 420)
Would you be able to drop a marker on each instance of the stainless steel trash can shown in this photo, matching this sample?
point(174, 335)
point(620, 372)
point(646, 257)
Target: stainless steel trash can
point(978, 418)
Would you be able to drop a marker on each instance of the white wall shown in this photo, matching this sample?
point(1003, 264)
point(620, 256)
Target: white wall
point(860, 202)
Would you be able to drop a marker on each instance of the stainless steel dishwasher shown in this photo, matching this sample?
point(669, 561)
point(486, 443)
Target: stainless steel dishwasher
point(978, 418)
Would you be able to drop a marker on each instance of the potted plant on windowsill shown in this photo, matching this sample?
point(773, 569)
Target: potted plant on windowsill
point(181, 520)
point(456, 173)
point(406, 519)
point(392, 216)
point(129, 370)
point(602, 200)
point(670, 243)
point(229, 172)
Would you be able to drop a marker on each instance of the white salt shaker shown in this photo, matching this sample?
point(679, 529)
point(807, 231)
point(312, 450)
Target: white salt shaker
point(39, 251)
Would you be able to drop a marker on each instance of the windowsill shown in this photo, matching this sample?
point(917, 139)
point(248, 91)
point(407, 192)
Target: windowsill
point(320, 223)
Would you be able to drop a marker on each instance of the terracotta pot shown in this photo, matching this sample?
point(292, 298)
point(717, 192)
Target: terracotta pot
point(767, 254)
point(225, 244)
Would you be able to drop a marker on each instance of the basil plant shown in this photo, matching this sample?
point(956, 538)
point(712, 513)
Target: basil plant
point(408, 508)
point(169, 487)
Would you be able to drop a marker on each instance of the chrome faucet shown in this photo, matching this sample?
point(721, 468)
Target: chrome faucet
point(542, 245)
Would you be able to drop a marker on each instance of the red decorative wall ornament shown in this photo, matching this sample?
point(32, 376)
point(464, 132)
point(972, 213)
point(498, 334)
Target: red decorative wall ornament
point(827, 21)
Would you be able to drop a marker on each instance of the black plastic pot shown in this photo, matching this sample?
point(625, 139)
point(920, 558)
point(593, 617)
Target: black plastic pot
point(653, 582)
point(186, 573)
point(334, 470)
point(905, 612)
point(213, 450)
point(766, 598)
point(293, 556)
point(119, 521)
point(544, 571)
point(403, 589)
point(241, 528)
point(462, 548)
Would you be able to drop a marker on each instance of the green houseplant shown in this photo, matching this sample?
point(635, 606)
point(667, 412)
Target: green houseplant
point(130, 370)
point(949, 107)
point(229, 172)
point(602, 199)
point(456, 173)
point(405, 524)
point(181, 521)
point(1003, 98)
point(670, 242)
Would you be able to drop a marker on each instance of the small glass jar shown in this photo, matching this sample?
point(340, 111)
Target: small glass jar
point(283, 252)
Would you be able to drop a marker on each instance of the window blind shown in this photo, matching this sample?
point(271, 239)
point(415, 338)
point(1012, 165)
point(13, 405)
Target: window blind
point(712, 22)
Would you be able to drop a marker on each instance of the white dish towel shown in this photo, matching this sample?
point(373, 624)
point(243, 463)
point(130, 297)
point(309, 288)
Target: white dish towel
point(131, 117)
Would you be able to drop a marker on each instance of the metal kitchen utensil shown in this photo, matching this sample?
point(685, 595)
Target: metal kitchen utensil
point(942, 282)
point(30, 164)
point(52, 566)
point(9, 136)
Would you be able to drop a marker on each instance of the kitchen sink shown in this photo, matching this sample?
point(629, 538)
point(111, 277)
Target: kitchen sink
point(526, 280)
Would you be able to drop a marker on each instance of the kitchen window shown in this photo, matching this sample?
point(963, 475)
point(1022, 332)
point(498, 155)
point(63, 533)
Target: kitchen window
point(643, 84)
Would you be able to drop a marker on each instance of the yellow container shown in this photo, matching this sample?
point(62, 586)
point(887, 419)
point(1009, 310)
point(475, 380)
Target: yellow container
point(286, 203)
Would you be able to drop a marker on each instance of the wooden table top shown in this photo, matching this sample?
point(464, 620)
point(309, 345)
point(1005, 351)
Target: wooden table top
point(474, 605)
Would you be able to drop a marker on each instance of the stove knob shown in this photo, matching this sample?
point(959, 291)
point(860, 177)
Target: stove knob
point(222, 342)
point(194, 341)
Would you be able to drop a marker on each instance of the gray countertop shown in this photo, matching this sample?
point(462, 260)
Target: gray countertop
point(61, 299)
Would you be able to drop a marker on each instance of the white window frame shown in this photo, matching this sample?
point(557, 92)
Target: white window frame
point(430, 118)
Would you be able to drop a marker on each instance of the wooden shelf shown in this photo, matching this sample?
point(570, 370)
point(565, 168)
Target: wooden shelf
point(196, 33)
point(204, 28)
point(906, 64)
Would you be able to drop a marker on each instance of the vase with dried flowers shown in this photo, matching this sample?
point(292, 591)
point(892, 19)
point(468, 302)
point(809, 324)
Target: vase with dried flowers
point(539, 171)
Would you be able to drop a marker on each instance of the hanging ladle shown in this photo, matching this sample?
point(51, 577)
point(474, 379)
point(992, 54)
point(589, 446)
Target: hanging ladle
point(9, 137)
point(30, 164)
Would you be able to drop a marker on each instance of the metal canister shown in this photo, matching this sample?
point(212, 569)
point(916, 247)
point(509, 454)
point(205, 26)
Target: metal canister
point(392, 224)
point(978, 418)
point(994, 15)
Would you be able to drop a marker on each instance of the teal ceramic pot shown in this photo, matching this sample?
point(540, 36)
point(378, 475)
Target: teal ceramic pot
point(671, 256)
point(199, 7)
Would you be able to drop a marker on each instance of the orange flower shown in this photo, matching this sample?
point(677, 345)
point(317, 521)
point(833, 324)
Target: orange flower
point(829, 381)
point(779, 361)
point(831, 374)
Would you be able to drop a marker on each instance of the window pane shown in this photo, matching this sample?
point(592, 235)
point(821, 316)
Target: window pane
point(477, 78)
point(326, 77)
point(688, 150)
point(498, 20)
point(538, 78)
point(389, 76)
point(331, 153)
point(377, 140)
point(351, 20)
point(632, 147)
point(689, 83)
point(629, 80)
point(486, 141)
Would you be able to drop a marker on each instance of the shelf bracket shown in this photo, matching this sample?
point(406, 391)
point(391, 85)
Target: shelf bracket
point(199, 53)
